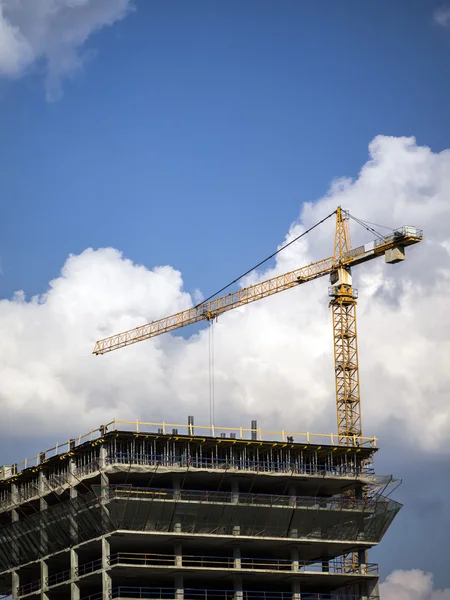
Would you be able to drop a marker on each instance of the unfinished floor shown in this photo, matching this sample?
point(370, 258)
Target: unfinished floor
point(154, 511)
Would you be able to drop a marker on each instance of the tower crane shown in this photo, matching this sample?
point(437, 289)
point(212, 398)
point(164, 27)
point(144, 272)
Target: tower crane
point(343, 306)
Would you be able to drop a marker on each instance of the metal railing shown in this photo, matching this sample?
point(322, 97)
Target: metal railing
point(336, 566)
point(62, 576)
point(188, 561)
point(89, 567)
point(258, 466)
point(97, 596)
point(212, 594)
point(171, 495)
point(240, 433)
point(189, 430)
point(27, 588)
point(59, 577)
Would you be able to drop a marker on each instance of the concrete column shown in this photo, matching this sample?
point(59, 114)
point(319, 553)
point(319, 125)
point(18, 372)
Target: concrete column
point(296, 590)
point(369, 589)
point(73, 521)
point(235, 500)
point(293, 503)
point(74, 587)
point(176, 484)
point(363, 559)
point(72, 471)
point(178, 551)
point(292, 491)
point(179, 587)
point(104, 479)
point(15, 501)
point(44, 578)
point(104, 489)
point(43, 488)
point(238, 593)
point(237, 556)
point(74, 591)
point(294, 559)
point(15, 553)
point(106, 578)
point(234, 491)
point(15, 583)
point(325, 566)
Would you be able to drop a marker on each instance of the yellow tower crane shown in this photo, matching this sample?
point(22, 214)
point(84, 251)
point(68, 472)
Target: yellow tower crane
point(343, 305)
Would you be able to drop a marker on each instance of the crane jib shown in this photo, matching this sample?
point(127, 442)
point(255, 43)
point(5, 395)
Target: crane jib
point(404, 236)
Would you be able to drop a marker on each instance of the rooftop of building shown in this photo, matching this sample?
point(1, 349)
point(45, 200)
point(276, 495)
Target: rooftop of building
point(206, 435)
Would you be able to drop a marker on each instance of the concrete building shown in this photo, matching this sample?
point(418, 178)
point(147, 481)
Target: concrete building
point(185, 512)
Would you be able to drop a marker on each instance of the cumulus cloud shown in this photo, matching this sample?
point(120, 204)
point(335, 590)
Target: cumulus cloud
point(273, 359)
point(411, 585)
point(442, 16)
point(52, 30)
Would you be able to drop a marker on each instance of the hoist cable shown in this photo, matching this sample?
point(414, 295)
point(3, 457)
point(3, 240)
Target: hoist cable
point(265, 260)
point(370, 229)
point(376, 225)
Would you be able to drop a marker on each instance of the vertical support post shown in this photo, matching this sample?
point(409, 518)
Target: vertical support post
point(293, 503)
point(191, 424)
point(369, 590)
point(15, 584)
point(176, 484)
point(296, 590)
point(254, 427)
point(73, 494)
point(325, 566)
point(236, 556)
point(72, 471)
point(363, 559)
point(42, 486)
point(178, 551)
point(238, 592)
point(179, 587)
point(104, 479)
point(106, 577)
point(294, 559)
point(292, 490)
point(235, 500)
point(44, 579)
point(15, 552)
point(104, 487)
point(74, 587)
point(234, 491)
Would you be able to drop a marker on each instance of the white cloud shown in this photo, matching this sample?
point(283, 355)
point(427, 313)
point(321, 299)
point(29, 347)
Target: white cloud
point(274, 359)
point(53, 30)
point(411, 585)
point(442, 16)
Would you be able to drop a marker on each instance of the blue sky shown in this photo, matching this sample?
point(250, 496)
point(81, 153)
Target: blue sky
point(196, 130)
point(191, 135)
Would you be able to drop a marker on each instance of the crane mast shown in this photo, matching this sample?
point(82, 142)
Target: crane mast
point(343, 307)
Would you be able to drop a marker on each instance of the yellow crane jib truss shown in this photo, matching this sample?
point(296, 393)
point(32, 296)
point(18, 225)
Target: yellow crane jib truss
point(343, 305)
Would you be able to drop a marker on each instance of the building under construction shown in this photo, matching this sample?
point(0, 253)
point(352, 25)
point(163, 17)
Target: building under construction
point(149, 510)
point(142, 510)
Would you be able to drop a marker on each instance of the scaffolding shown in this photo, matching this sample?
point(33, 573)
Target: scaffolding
point(268, 511)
